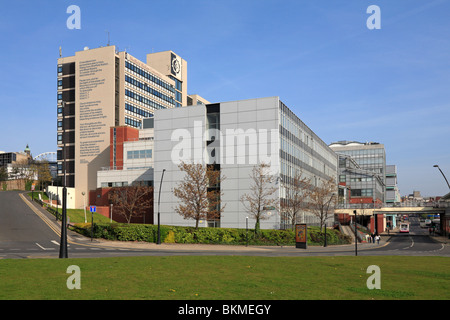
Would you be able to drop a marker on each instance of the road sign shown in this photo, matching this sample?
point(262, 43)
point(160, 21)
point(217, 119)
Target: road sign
point(93, 208)
point(33, 186)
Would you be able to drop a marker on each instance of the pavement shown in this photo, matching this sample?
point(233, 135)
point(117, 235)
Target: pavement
point(178, 247)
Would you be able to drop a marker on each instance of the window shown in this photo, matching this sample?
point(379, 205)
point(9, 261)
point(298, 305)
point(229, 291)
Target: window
point(139, 154)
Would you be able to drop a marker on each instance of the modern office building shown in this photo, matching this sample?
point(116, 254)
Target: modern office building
point(392, 193)
point(362, 172)
point(235, 136)
point(101, 88)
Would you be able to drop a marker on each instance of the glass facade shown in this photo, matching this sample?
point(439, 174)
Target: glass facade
point(362, 168)
point(301, 151)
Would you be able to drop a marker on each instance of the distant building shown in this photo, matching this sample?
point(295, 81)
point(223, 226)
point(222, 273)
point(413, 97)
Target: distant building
point(16, 164)
point(362, 170)
point(392, 192)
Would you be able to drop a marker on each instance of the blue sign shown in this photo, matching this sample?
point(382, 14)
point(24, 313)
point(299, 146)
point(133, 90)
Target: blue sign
point(93, 208)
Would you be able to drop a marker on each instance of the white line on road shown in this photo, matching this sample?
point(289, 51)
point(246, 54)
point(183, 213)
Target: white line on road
point(45, 249)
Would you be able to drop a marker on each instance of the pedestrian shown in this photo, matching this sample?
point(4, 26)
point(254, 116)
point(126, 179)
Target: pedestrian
point(378, 239)
point(373, 237)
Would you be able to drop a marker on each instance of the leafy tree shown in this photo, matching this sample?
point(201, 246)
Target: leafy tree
point(3, 174)
point(43, 173)
point(199, 193)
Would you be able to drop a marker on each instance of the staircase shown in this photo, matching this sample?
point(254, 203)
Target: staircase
point(348, 231)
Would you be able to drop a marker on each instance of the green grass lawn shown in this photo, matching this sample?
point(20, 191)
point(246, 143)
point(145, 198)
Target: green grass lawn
point(227, 278)
point(75, 215)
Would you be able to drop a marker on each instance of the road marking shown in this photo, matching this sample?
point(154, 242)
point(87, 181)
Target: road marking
point(40, 215)
point(45, 249)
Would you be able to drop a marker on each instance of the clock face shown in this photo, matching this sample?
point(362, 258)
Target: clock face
point(176, 65)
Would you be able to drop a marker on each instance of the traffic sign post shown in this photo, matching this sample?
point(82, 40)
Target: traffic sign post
point(92, 209)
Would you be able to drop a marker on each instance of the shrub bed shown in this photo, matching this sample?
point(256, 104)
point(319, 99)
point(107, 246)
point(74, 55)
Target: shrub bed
point(174, 234)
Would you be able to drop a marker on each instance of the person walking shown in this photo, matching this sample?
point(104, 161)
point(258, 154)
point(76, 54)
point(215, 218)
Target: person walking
point(377, 238)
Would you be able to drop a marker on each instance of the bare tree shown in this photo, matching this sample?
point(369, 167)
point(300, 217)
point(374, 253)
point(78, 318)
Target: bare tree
point(23, 172)
point(199, 193)
point(295, 199)
point(132, 201)
point(323, 200)
point(260, 197)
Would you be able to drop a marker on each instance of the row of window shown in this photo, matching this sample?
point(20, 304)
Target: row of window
point(148, 89)
point(143, 183)
point(149, 76)
point(361, 192)
point(138, 111)
point(178, 83)
point(139, 154)
point(342, 178)
point(290, 122)
point(133, 123)
point(144, 100)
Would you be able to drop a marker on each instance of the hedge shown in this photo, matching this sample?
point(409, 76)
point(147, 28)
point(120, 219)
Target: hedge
point(174, 234)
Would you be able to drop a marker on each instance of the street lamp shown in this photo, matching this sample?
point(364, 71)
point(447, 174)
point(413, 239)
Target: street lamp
point(326, 216)
point(356, 236)
point(63, 241)
point(84, 198)
point(436, 166)
point(159, 198)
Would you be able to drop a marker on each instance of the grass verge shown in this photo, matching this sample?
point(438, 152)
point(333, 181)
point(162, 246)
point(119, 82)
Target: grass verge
point(227, 278)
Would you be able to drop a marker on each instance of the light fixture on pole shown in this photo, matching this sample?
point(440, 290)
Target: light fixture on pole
point(63, 241)
point(326, 216)
point(159, 215)
point(84, 198)
point(436, 166)
point(356, 236)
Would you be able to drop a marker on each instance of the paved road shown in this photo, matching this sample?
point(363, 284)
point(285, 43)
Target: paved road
point(28, 231)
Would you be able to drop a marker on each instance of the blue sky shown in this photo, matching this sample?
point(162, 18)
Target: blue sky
point(344, 81)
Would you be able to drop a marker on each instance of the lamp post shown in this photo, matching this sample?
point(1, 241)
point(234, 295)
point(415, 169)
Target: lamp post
point(84, 198)
point(436, 166)
point(63, 241)
point(326, 216)
point(246, 232)
point(159, 215)
point(356, 237)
